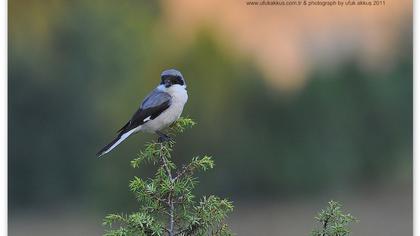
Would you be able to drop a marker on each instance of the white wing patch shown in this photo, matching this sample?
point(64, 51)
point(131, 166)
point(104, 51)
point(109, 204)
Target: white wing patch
point(147, 119)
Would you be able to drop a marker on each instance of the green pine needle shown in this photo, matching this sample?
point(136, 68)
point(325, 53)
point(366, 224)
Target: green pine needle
point(168, 196)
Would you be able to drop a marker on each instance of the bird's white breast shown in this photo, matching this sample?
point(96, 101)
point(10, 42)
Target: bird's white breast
point(179, 98)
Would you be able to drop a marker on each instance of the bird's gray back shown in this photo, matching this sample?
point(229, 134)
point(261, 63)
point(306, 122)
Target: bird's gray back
point(155, 98)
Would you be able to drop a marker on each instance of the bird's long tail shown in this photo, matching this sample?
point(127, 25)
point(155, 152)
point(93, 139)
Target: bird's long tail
point(121, 137)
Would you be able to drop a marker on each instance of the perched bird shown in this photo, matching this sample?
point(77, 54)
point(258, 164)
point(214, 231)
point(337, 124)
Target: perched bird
point(162, 107)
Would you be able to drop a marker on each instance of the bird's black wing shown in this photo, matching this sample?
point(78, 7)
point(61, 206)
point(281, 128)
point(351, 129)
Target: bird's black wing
point(152, 106)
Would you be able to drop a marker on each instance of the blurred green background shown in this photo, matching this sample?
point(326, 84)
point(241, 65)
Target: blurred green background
point(336, 123)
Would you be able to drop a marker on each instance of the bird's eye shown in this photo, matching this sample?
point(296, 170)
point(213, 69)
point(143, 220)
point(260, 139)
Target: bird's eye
point(178, 80)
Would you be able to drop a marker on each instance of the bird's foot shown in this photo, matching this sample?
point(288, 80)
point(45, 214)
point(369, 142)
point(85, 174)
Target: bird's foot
point(164, 138)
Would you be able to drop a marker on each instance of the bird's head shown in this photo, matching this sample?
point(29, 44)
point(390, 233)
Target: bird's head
point(172, 77)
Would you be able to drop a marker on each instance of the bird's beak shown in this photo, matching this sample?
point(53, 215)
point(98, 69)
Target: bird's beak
point(167, 83)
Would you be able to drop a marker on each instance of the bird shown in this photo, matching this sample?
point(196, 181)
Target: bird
point(161, 108)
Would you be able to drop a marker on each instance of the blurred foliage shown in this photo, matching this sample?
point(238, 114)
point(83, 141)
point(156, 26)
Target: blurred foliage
point(78, 69)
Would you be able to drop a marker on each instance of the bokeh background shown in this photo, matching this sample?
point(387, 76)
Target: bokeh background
point(297, 105)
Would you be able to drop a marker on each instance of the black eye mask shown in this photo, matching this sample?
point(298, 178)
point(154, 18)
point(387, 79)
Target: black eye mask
point(173, 79)
point(177, 80)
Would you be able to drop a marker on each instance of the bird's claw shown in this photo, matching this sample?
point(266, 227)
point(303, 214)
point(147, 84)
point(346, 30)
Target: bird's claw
point(164, 138)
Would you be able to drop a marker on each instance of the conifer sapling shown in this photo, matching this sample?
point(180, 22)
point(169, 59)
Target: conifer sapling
point(333, 221)
point(167, 205)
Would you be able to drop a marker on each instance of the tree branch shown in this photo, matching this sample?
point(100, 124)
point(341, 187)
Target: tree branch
point(170, 200)
point(184, 170)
